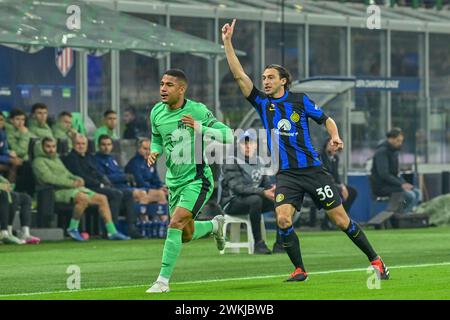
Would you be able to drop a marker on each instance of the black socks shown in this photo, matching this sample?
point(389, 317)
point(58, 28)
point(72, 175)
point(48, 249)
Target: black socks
point(292, 246)
point(358, 237)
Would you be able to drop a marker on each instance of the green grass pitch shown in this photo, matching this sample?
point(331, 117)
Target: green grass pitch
point(419, 261)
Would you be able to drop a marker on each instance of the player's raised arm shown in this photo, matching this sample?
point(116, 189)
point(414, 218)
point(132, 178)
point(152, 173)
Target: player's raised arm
point(244, 82)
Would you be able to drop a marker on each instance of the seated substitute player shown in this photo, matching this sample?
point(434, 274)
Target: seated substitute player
point(245, 188)
point(49, 169)
point(190, 182)
point(147, 179)
point(286, 114)
point(107, 165)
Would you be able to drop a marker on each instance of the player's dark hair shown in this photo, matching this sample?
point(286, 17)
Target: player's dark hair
point(177, 73)
point(64, 114)
point(38, 106)
point(44, 140)
point(16, 112)
point(283, 72)
point(394, 133)
point(104, 137)
point(108, 112)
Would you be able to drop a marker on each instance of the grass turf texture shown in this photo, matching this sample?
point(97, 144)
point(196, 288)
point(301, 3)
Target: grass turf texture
point(124, 270)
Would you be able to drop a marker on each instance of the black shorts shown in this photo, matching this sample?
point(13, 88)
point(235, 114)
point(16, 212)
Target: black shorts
point(292, 184)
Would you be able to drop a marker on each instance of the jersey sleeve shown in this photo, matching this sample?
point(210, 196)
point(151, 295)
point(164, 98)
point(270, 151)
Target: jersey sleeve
point(207, 118)
point(212, 127)
point(314, 111)
point(256, 98)
point(157, 143)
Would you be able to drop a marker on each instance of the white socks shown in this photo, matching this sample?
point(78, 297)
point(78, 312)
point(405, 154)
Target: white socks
point(163, 280)
point(26, 232)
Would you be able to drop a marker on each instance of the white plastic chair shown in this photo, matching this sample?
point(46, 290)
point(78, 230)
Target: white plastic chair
point(234, 243)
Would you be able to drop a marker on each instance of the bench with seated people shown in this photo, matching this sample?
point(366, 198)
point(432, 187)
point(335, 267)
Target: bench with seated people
point(70, 189)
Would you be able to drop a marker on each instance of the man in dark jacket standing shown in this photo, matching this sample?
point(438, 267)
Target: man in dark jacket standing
point(385, 174)
point(246, 190)
point(83, 164)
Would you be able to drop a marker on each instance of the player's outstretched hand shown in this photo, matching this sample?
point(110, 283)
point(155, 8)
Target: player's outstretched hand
point(152, 158)
point(337, 143)
point(190, 122)
point(227, 31)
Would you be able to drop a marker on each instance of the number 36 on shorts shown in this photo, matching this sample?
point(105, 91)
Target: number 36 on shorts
point(325, 192)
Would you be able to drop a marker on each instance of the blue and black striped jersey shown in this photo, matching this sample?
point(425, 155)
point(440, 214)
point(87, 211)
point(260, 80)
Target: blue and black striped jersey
point(288, 118)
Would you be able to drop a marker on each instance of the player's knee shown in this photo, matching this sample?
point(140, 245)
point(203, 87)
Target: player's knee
point(103, 199)
point(284, 221)
point(341, 224)
point(340, 220)
point(176, 224)
point(81, 200)
point(100, 200)
point(141, 194)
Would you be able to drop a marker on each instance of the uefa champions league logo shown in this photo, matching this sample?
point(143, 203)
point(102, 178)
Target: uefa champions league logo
point(256, 175)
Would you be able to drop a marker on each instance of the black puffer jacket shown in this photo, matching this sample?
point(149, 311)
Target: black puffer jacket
point(85, 167)
point(385, 171)
point(242, 180)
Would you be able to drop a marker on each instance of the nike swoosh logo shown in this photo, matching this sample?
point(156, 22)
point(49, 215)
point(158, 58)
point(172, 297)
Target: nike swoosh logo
point(356, 234)
point(329, 204)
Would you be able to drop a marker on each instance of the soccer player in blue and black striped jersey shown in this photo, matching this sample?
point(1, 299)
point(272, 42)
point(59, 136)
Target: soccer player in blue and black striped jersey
point(285, 115)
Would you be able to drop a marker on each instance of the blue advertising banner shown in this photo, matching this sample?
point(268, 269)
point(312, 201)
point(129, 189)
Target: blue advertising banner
point(388, 84)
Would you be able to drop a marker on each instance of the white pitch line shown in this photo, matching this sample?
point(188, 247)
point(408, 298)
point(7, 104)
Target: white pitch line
point(224, 280)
